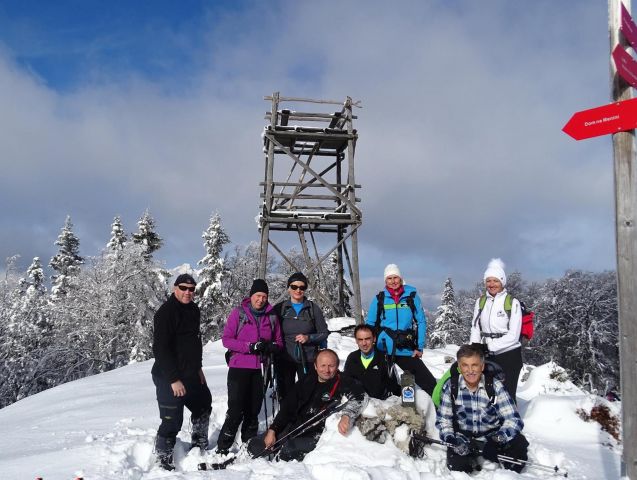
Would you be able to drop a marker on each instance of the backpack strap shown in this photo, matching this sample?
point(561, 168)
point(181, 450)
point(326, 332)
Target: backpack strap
point(508, 306)
point(243, 319)
point(454, 390)
point(380, 310)
point(481, 304)
point(312, 313)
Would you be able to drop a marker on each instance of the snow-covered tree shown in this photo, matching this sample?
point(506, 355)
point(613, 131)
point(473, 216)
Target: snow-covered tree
point(448, 327)
point(26, 339)
point(118, 237)
point(242, 265)
point(67, 261)
point(146, 234)
point(209, 291)
point(576, 326)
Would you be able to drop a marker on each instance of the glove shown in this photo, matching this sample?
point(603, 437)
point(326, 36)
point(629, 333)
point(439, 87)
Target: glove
point(257, 347)
point(459, 444)
point(499, 438)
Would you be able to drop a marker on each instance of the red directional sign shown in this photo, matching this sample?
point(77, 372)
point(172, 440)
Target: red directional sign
point(626, 66)
point(628, 27)
point(611, 118)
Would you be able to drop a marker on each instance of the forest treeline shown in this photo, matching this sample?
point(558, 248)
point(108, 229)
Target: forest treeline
point(95, 314)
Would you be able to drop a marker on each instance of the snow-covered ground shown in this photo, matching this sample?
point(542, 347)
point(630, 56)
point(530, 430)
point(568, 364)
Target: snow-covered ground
point(103, 427)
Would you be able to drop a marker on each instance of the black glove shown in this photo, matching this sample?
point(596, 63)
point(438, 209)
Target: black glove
point(499, 438)
point(459, 444)
point(257, 347)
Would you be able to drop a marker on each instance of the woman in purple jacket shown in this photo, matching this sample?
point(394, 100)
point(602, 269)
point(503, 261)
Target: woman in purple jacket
point(251, 334)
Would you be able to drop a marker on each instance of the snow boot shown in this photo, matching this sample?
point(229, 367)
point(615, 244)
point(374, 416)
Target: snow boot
point(164, 447)
point(199, 436)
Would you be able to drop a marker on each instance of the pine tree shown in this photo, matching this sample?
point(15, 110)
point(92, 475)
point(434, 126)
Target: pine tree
point(146, 234)
point(67, 261)
point(447, 328)
point(209, 292)
point(118, 237)
point(27, 338)
point(36, 274)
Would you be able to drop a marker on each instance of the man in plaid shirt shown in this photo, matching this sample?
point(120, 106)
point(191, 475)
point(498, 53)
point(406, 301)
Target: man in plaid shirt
point(477, 416)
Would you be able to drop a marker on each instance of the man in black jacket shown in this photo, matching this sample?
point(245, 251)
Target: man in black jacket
point(308, 397)
point(369, 366)
point(177, 374)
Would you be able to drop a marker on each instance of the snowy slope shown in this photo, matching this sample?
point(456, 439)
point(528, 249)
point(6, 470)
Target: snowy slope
point(103, 427)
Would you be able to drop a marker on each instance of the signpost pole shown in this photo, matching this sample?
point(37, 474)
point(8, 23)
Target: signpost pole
point(626, 237)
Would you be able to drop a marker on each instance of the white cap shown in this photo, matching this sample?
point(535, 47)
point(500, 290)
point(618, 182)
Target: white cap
point(392, 269)
point(495, 269)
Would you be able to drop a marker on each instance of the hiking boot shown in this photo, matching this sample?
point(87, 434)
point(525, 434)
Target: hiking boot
point(164, 447)
point(166, 463)
point(199, 436)
point(222, 451)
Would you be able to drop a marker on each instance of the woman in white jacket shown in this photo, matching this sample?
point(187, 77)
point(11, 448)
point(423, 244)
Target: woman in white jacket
point(497, 321)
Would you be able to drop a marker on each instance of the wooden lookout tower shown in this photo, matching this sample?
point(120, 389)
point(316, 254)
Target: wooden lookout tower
point(310, 191)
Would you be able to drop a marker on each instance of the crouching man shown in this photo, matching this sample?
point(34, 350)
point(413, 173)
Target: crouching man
point(476, 408)
point(369, 366)
point(309, 396)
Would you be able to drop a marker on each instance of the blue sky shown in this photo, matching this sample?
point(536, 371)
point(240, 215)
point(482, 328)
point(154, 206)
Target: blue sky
point(114, 107)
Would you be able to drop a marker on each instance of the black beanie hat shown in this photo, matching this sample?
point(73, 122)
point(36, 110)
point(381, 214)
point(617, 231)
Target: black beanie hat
point(298, 277)
point(185, 278)
point(259, 285)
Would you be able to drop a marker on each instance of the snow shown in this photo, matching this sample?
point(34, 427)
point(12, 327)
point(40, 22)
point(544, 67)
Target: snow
point(103, 427)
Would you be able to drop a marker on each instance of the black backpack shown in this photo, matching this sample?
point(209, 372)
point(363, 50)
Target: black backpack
point(281, 313)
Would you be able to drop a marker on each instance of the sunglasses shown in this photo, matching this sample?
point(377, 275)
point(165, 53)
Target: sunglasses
point(183, 288)
point(297, 287)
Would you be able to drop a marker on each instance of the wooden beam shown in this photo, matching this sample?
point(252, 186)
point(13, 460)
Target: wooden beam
point(626, 237)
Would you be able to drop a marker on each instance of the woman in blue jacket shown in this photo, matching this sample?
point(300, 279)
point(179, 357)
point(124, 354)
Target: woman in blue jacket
point(399, 320)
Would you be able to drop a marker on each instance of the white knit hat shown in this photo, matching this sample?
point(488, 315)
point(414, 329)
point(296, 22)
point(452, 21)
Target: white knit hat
point(496, 269)
point(392, 269)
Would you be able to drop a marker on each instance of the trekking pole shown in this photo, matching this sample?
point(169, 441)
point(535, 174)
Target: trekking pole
point(502, 458)
point(332, 407)
point(264, 373)
point(273, 385)
point(301, 352)
point(547, 468)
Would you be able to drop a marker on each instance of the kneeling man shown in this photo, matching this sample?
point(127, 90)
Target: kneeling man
point(480, 408)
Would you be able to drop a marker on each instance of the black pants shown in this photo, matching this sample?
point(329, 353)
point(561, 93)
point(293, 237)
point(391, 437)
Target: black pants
point(171, 409)
point(511, 364)
point(516, 448)
point(245, 397)
point(292, 449)
point(286, 373)
point(424, 378)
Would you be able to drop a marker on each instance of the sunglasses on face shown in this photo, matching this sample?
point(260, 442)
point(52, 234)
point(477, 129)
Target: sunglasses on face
point(183, 288)
point(297, 287)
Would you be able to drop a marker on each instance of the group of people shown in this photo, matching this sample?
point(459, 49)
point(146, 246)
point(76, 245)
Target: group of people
point(286, 342)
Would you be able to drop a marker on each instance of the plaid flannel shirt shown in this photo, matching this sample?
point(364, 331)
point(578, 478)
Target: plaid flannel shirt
point(475, 414)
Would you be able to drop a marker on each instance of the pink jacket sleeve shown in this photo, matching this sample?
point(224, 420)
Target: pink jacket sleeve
point(229, 337)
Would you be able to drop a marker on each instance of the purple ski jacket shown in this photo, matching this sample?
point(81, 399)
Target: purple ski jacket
point(238, 342)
